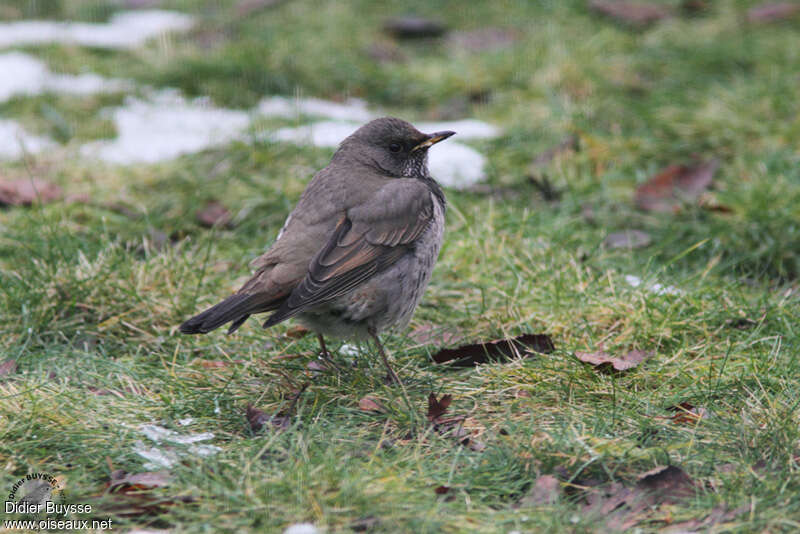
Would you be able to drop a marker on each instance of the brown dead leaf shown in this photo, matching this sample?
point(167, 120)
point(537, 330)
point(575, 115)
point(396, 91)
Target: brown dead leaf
point(370, 404)
point(8, 367)
point(496, 351)
point(687, 413)
point(772, 12)
point(412, 27)
point(297, 332)
point(620, 363)
point(667, 190)
point(217, 364)
point(27, 191)
point(436, 408)
point(546, 490)
point(719, 514)
point(441, 490)
point(257, 419)
point(214, 214)
point(281, 421)
point(628, 239)
point(634, 14)
point(126, 482)
point(622, 506)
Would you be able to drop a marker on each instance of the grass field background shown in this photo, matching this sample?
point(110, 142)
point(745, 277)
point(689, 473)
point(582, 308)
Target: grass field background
point(92, 291)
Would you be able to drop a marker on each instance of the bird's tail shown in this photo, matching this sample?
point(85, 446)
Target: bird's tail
point(236, 309)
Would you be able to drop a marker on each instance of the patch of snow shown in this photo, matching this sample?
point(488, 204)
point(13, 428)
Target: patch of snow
point(30, 76)
point(348, 350)
point(15, 141)
point(353, 109)
point(658, 289)
point(455, 165)
point(159, 433)
point(158, 458)
point(301, 528)
point(126, 29)
point(165, 127)
point(323, 134)
point(204, 450)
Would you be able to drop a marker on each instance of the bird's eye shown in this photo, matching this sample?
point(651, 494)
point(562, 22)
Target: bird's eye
point(395, 147)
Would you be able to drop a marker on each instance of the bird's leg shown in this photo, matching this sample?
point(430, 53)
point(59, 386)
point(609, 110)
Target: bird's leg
point(392, 375)
point(325, 354)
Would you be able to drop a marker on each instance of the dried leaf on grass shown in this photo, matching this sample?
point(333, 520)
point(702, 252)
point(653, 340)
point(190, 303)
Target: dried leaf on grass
point(436, 408)
point(720, 514)
point(217, 364)
point(546, 490)
point(8, 367)
point(635, 14)
point(622, 506)
point(214, 214)
point(296, 332)
point(441, 490)
point(126, 482)
point(670, 188)
point(687, 413)
point(131, 494)
point(370, 404)
point(26, 191)
point(773, 12)
point(628, 360)
point(453, 427)
point(629, 239)
point(257, 419)
point(496, 351)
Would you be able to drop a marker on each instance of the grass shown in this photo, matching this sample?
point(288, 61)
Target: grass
point(90, 299)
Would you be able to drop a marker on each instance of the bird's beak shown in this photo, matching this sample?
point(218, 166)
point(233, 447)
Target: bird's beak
point(433, 139)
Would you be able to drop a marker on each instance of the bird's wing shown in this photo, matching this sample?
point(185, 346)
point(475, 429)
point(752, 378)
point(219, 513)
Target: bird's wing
point(368, 238)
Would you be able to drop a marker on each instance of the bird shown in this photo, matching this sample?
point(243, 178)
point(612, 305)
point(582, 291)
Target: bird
point(355, 255)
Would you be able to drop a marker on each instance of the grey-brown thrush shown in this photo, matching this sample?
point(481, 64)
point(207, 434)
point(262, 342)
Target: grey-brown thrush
point(356, 254)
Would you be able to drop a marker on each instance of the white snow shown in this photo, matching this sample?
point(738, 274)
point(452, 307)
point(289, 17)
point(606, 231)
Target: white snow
point(301, 528)
point(161, 458)
point(655, 287)
point(165, 127)
point(323, 134)
point(27, 75)
point(126, 29)
point(159, 433)
point(15, 141)
point(158, 459)
point(455, 165)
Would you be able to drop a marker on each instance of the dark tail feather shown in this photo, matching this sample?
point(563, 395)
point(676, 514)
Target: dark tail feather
point(236, 308)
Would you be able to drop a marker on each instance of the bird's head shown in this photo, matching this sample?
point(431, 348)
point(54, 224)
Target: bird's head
point(392, 146)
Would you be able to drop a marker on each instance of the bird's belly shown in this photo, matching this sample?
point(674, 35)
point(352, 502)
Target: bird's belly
point(388, 299)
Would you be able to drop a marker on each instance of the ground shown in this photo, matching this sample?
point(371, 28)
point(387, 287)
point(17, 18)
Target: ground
point(92, 289)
